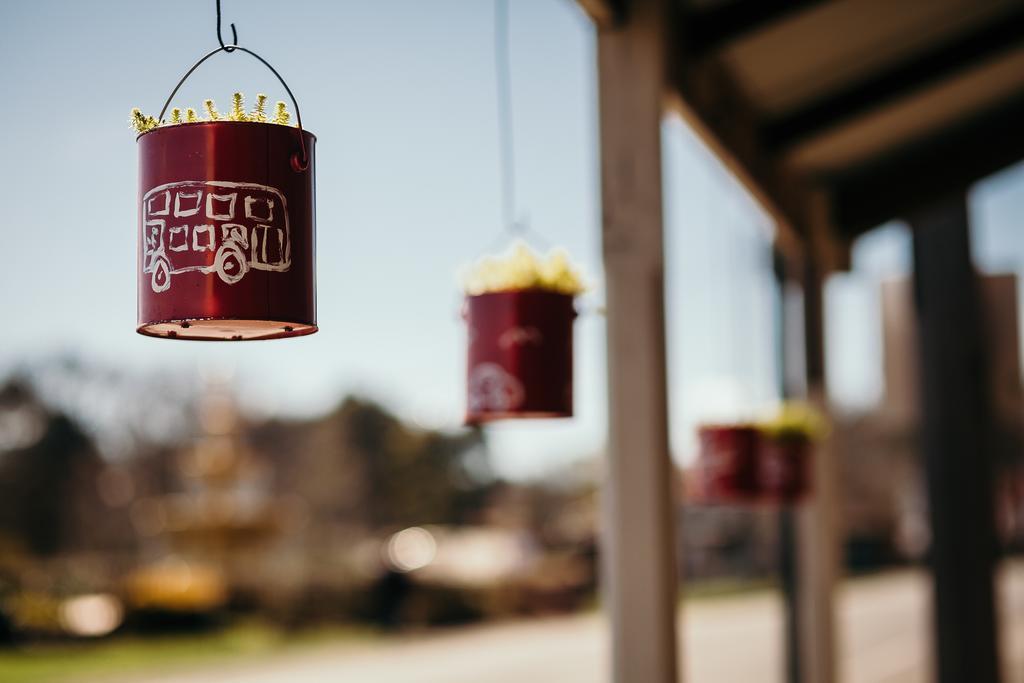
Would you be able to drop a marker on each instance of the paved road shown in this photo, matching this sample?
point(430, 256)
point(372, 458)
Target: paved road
point(883, 622)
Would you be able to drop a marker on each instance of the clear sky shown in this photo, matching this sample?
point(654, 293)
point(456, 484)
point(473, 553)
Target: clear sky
point(401, 96)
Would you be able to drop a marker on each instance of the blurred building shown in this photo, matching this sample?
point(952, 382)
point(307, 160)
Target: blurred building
point(218, 531)
point(885, 507)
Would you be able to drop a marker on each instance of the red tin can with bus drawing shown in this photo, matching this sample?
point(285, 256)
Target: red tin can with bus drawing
point(226, 232)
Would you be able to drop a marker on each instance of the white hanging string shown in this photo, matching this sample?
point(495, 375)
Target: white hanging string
point(503, 82)
point(512, 223)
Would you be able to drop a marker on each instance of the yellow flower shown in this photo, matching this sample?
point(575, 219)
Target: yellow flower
point(522, 268)
point(259, 111)
point(142, 123)
point(281, 114)
point(238, 108)
point(796, 419)
point(139, 121)
point(211, 110)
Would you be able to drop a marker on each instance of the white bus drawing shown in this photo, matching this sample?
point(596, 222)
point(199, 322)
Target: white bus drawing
point(492, 388)
point(211, 226)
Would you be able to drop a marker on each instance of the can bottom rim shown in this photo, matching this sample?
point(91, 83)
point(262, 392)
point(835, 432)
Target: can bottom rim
point(225, 329)
point(494, 416)
point(755, 500)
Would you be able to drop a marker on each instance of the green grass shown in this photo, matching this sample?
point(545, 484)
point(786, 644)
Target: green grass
point(119, 657)
point(122, 656)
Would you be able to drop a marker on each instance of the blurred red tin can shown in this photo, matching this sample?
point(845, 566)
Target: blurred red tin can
point(728, 463)
point(783, 472)
point(520, 355)
point(226, 232)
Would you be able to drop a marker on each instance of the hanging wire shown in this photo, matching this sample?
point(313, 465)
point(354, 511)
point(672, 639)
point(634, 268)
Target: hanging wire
point(220, 39)
point(503, 78)
point(512, 224)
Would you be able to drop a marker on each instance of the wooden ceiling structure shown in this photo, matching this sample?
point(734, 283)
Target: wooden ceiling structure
point(879, 106)
point(837, 116)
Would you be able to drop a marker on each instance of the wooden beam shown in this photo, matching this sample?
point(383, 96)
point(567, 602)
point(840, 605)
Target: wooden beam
point(605, 13)
point(789, 332)
point(819, 544)
point(788, 237)
point(705, 95)
point(714, 27)
point(915, 74)
point(638, 542)
point(919, 172)
point(809, 533)
point(957, 439)
point(789, 582)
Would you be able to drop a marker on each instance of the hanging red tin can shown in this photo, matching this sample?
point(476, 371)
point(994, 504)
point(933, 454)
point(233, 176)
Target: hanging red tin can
point(520, 355)
point(227, 225)
point(783, 470)
point(727, 463)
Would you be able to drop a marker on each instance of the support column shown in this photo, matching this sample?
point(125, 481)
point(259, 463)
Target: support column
point(956, 431)
point(638, 548)
point(789, 581)
point(792, 384)
point(819, 545)
point(817, 537)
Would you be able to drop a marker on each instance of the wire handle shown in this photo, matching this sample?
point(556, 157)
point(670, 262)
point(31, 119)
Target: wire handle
point(298, 163)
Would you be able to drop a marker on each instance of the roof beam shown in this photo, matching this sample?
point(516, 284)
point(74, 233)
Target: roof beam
point(605, 13)
point(704, 94)
point(945, 162)
point(712, 28)
point(939, 63)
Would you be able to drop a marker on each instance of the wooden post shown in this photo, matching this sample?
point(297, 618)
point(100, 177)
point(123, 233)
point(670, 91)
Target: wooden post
point(819, 545)
point(789, 580)
point(789, 333)
point(638, 545)
point(956, 427)
point(815, 534)
point(808, 533)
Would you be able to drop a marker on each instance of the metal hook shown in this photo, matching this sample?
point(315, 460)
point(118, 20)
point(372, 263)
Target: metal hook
point(234, 34)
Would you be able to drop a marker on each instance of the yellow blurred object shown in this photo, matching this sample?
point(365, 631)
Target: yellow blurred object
point(34, 611)
point(523, 268)
point(176, 585)
point(796, 419)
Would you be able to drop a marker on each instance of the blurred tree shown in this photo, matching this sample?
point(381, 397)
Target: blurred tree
point(47, 473)
point(362, 465)
point(411, 476)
